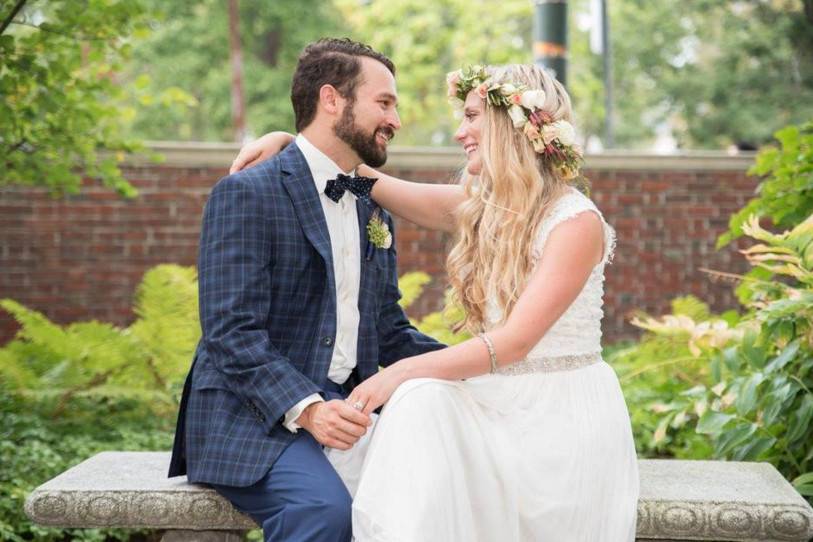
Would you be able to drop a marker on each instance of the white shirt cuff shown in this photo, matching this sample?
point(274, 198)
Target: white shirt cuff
point(296, 411)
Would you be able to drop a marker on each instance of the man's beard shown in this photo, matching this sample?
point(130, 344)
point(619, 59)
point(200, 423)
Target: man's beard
point(365, 145)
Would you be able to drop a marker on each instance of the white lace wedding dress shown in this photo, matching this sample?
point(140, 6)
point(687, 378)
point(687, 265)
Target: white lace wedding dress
point(541, 452)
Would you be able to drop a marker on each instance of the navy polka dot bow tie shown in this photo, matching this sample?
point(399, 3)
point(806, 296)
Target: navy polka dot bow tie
point(358, 186)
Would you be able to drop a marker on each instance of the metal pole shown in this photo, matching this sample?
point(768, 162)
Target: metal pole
point(609, 125)
point(550, 37)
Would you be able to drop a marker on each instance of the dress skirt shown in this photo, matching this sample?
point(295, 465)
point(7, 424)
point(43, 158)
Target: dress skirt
point(543, 456)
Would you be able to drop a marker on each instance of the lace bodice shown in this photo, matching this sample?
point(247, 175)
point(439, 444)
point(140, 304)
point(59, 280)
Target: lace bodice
point(578, 330)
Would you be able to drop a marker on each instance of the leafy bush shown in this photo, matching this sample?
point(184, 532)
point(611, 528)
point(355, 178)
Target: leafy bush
point(52, 364)
point(741, 387)
point(440, 324)
point(785, 196)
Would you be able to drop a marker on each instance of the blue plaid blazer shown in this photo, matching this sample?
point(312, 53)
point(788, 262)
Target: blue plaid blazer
point(268, 316)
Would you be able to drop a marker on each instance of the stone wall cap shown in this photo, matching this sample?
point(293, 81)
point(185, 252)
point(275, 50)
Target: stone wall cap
point(423, 158)
point(680, 500)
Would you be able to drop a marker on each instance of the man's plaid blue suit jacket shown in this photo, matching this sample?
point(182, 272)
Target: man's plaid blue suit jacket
point(268, 315)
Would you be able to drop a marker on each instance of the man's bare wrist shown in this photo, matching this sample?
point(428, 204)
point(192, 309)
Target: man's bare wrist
point(304, 419)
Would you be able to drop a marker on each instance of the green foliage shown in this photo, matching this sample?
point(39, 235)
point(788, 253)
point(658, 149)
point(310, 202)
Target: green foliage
point(751, 391)
point(441, 324)
point(55, 364)
point(188, 48)
point(660, 375)
point(785, 195)
point(62, 112)
point(743, 70)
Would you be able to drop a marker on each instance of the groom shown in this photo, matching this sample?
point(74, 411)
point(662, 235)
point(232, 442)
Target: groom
point(297, 306)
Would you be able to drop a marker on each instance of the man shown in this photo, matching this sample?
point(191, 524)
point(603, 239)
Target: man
point(297, 306)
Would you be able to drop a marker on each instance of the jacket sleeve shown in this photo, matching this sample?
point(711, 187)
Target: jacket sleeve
point(233, 268)
point(397, 337)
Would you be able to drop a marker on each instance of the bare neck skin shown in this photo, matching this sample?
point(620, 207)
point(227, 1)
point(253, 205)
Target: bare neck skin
point(323, 138)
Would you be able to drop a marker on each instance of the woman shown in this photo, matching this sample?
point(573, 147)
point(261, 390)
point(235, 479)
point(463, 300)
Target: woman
point(520, 433)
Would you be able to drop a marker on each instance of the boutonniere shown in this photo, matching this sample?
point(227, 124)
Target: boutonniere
point(378, 233)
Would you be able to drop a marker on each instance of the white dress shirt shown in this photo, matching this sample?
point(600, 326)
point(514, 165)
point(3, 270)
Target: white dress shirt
point(343, 228)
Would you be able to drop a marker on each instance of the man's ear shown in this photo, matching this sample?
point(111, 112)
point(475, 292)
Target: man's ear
point(330, 99)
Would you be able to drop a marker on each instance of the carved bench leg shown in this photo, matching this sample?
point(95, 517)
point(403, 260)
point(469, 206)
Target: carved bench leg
point(203, 536)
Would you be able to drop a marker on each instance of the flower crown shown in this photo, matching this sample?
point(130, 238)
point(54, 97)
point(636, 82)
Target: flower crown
point(555, 140)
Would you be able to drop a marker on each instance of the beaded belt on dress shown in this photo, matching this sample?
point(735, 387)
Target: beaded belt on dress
point(550, 364)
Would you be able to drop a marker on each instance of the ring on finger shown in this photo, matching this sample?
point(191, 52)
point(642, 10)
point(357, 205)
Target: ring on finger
point(358, 405)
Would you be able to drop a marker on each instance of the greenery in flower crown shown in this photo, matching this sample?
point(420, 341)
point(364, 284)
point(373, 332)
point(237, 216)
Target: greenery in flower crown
point(553, 139)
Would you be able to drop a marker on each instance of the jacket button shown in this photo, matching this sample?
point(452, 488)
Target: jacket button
point(327, 341)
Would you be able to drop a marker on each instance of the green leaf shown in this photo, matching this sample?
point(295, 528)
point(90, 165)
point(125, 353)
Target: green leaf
point(712, 422)
point(804, 484)
point(806, 478)
point(755, 355)
point(731, 438)
point(754, 449)
point(747, 394)
point(800, 420)
point(788, 353)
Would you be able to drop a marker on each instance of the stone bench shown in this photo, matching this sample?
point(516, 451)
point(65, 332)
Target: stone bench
point(680, 500)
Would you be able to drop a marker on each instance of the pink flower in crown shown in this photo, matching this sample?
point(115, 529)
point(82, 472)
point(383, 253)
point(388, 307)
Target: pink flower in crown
point(531, 131)
point(516, 99)
point(452, 80)
point(482, 90)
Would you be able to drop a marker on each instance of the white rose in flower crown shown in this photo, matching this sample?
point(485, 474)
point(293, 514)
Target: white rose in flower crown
point(564, 132)
point(517, 115)
point(549, 133)
point(507, 89)
point(533, 99)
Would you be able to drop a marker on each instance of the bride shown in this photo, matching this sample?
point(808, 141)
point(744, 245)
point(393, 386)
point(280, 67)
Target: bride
point(520, 433)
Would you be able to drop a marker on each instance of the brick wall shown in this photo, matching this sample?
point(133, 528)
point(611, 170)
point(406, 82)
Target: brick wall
point(82, 257)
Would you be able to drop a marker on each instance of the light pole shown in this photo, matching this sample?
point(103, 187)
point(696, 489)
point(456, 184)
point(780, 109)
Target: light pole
point(550, 36)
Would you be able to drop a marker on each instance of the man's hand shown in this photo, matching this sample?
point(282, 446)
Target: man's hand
point(334, 423)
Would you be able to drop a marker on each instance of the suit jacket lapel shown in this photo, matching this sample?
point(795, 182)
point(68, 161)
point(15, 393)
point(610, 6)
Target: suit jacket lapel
point(367, 267)
point(299, 183)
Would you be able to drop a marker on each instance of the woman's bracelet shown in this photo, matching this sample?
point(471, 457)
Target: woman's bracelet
point(492, 354)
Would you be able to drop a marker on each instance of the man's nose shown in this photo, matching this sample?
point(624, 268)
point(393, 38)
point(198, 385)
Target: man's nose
point(395, 120)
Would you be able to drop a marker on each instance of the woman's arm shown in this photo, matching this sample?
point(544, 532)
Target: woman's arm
point(572, 250)
point(260, 149)
point(429, 205)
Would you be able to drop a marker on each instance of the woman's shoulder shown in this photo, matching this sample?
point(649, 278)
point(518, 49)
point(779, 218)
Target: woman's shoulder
point(571, 204)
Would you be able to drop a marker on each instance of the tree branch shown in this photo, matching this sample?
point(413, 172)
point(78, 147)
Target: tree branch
point(14, 11)
point(58, 33)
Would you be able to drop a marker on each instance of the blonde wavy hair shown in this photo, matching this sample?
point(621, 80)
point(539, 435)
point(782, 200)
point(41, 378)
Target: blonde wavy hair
point(505, 204)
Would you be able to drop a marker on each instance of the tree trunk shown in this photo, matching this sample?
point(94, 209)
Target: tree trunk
point(238, 108)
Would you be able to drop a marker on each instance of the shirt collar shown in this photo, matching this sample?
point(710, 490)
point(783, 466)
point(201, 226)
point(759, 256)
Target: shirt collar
point(321, 166)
